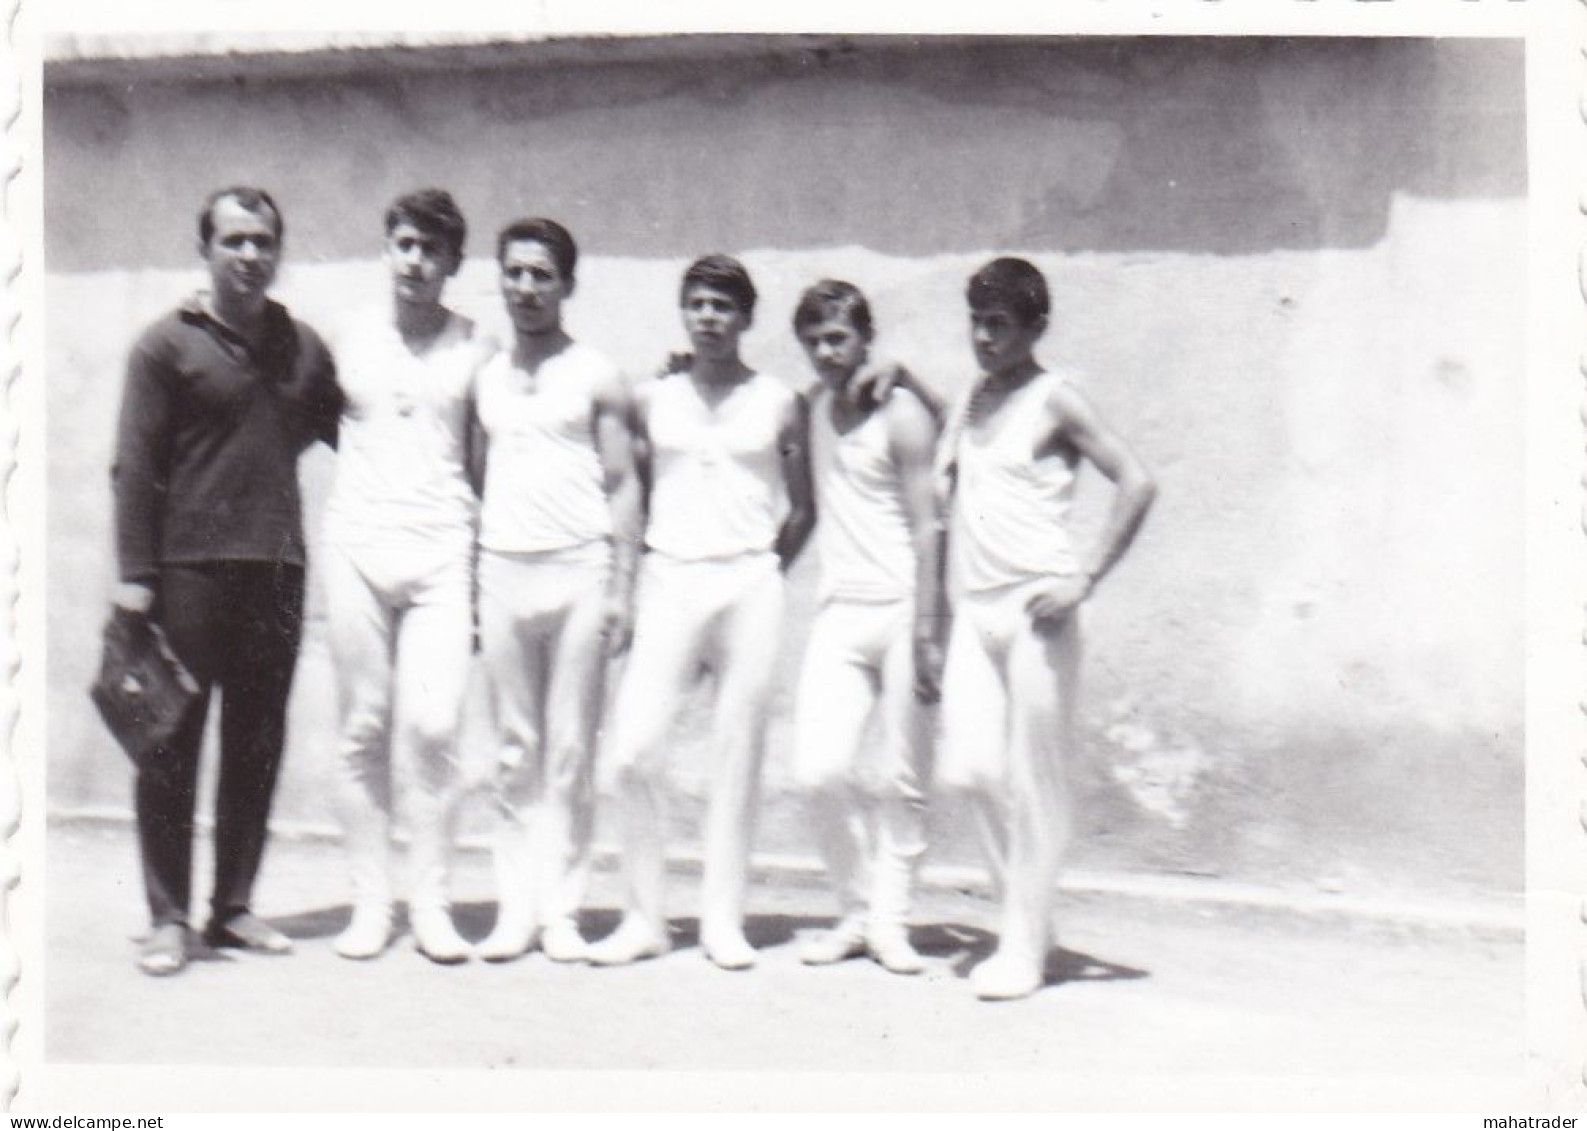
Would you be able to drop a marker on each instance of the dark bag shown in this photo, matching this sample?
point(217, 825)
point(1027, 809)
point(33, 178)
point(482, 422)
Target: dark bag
point(143, 691)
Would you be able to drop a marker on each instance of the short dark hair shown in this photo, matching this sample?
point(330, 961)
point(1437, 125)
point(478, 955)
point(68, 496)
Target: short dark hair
point(433, 212)
point(552, 236)
point(833, 298)
point(1014, 283)
point(246, 197)
point(722, 273)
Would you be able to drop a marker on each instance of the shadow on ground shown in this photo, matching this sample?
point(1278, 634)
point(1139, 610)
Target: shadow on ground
point(961, 947)
point(1137, 983)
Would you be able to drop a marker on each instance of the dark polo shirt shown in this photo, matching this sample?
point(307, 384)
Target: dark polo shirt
point(210, 434)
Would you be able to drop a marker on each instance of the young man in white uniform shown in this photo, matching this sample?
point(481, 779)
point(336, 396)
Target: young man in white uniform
point(399, 534)
point(730, 509)
point(559, 531)
point(1011, 453)
point(877, 637)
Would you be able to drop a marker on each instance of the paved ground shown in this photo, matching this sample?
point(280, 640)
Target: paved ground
point(1138, 984)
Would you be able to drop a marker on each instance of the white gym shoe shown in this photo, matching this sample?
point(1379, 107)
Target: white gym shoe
point(436, 937)
point(845, 939)
point(891, 947)
point(634, 939)
point(508, 939)
point(730, 951)
point(368, 933)
point(1004, 978)
point(561, 942)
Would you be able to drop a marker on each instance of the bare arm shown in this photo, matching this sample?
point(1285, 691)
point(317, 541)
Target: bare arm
point(476, 441)
point(1081, 427)
point(793, 444)
point(614, 440)
point(912, 441)
point(476, 452)
point(945, 469)
point(1077, 424)
point(639, 434)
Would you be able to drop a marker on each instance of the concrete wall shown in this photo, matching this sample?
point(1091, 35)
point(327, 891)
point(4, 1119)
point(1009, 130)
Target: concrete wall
point(1291, 272)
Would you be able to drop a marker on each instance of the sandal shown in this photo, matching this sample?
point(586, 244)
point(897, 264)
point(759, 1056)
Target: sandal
point(164, 951)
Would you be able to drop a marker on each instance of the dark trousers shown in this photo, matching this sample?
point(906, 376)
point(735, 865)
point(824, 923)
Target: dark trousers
point(236, 625)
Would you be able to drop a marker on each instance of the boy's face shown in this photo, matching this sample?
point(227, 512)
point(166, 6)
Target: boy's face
point(835, 348)
point(533, 287)
point(713, 321)
point(1003, 341)
point(420, 263)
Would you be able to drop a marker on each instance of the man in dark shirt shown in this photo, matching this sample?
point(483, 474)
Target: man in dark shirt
point(222, 395)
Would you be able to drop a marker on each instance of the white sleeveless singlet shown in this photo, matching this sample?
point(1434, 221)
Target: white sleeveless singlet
point(863, 533)
point(1011, 510)
point(717, 489)
point(544, 483)
point(400, 467)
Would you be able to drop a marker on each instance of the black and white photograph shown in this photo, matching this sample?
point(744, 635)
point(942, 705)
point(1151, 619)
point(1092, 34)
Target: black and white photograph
point(946, 563)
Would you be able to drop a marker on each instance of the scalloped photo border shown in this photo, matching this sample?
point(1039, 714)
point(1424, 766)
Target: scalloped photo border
point(1556, 617)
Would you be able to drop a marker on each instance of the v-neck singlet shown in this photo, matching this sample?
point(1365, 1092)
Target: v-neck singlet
point(544, 483)
point(1011, 509)
point(862, 537)
point(401, 474)
point(717, 489)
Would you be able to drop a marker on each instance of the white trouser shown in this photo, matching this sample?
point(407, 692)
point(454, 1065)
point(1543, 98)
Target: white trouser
point(1008, 711)
point(861, 654)
point(727, 613)
point(540, 618)
point(401, 636)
